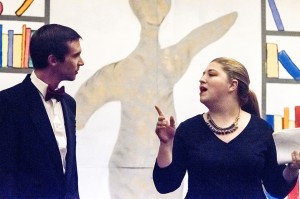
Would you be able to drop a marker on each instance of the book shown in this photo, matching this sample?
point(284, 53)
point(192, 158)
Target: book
point(270, 196)
point(30, 64)
point(10, 48)
point(17, 50)
point(270, 119)
point(297, 116)
point(26, 49)
point(4, 49)
point(23, 46)
point(294, 194)
point(275, 121)
point(276, 15)
point(278, 123)
point(272, 65)
point(1, 7)
point(286, 118)
point(1, 28)
point(289, 65)
point(291, 123)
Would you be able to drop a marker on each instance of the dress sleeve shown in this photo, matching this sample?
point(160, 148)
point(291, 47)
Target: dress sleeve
point(273, 179)
point(169, 178)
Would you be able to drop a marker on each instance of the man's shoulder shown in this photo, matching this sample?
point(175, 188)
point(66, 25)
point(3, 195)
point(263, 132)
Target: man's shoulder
point(13, 90)
point(15, 93)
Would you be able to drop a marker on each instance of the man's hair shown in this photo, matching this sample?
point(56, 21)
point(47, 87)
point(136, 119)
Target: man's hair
point(50, 39)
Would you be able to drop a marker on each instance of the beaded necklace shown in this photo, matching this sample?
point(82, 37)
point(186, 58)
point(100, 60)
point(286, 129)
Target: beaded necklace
point(222, 131)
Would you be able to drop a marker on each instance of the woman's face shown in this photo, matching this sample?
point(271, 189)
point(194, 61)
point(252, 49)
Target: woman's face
point(214, 84)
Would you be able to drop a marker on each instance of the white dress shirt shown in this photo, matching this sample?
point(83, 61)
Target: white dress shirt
point(56, 117)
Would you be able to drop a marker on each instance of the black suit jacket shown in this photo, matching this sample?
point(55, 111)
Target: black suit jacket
point(30, 162)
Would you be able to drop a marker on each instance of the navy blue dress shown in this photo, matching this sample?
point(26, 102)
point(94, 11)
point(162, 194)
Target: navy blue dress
point(223, 170)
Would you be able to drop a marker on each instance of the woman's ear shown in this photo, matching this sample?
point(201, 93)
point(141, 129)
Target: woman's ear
point(52, 60)
point(234, 85)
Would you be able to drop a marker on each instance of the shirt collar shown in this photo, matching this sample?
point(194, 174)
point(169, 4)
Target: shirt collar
point(39, 84)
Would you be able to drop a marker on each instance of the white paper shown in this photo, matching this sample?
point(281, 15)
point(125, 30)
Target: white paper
point(286, 141)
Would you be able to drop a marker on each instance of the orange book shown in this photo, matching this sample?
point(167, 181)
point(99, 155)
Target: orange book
point(26, 48)
point(286, 118)
point(23, 45)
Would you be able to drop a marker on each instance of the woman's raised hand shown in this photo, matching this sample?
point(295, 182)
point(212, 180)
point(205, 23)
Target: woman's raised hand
point(296, 160)
point(165, 129)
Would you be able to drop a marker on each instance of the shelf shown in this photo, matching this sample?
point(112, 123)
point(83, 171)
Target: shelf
point(282, 33)
point(43, 19)
point(282, 81)
point(15, 70)
point(23, 18)
point(265, 34)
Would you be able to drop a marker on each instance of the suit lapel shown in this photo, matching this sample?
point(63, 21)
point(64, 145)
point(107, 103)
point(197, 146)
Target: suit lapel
point(41, 121)
point(69, 119)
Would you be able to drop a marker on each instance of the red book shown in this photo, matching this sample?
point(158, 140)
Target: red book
point(297, 116)
point(294, 194)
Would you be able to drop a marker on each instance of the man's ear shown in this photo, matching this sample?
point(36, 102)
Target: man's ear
point(52, 60)
point(234, 85)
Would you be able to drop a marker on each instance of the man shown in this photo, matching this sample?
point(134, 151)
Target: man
point(37, 130)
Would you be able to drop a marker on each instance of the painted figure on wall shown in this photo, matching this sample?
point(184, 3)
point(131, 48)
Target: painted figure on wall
point(146, 77)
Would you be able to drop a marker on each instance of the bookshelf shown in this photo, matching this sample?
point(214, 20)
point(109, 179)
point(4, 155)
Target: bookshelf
point(268, 33)
point(285, 87)
point(41, 19)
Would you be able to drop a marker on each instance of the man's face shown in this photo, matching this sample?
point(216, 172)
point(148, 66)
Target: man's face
point(69, 68)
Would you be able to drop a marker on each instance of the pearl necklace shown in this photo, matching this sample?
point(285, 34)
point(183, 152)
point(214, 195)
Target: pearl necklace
point(222, 131)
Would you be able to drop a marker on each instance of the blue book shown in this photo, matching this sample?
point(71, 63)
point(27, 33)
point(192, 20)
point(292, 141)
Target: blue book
point(289, 65)
point(10, 48)
point(270, 119)
point(276, 15)
point(271, 197)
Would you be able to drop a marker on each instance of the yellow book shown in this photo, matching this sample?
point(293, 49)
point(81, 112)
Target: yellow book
point(4, 49)
point(272, 65)
point(291, 123)
point(17, 50)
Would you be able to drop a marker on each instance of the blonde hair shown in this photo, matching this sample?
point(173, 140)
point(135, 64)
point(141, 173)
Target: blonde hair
point(236, 70)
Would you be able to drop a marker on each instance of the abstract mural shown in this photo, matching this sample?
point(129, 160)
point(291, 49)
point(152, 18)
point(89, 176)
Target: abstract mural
point(145, 78)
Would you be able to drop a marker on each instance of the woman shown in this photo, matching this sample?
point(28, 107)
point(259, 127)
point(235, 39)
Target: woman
point(229, 151)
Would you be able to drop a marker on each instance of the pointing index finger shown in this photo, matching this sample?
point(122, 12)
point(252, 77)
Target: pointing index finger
point(160, 113)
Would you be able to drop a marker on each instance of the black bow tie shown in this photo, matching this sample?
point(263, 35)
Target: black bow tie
point(56, 94)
